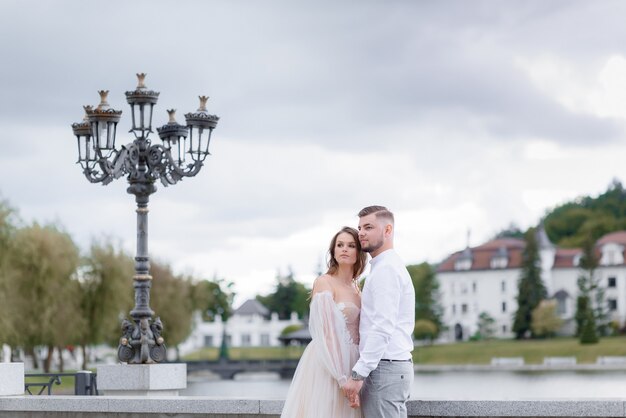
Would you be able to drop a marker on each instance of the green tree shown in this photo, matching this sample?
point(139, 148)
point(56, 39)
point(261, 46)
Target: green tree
point(425, 330)
point(47, 293)
point(172, 301)
point(486, 326)
point(546, 322)
point(531, 289)
point(591, 320)
point(427, 305)
point(289, 296)
point(213, 297)
point(8, 319)
point(106, 278)
point(511, 231)
point(588, 334)
point(570, 224)
point(581, 311)
point(291, 328)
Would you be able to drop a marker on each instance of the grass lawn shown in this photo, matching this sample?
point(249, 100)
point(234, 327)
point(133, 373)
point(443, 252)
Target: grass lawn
point(248, 353)
point(473, 352)
point(65, 388)
point(533, 351)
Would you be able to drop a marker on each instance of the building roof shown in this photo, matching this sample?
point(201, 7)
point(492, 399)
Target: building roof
point(513, 248)
point(618, 237)
point(482, 255)
point(252, 307)
point(564, 257)
point(542, 238)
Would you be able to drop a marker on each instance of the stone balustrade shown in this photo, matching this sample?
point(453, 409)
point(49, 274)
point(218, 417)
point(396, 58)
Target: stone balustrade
point(188, 407)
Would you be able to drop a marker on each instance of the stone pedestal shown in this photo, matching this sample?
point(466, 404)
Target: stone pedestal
point(11, 379)
point(142, 379)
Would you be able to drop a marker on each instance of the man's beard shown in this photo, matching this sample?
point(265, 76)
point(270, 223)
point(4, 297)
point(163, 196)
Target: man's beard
point(373, 247)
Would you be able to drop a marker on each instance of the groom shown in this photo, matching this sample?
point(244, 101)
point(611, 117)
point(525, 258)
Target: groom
point(384, 373)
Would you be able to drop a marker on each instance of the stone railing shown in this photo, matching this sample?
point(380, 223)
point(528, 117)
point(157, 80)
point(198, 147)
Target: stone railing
point(188, 407)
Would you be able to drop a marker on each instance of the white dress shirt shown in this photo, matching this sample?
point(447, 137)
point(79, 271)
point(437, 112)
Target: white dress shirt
point(387, 313)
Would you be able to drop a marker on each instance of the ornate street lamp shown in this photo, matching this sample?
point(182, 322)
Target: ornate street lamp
point(181, 154)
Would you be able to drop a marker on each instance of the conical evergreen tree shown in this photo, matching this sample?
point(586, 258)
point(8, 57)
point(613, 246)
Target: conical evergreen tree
point(588, 316)
point(589, 334)
point(531, 289)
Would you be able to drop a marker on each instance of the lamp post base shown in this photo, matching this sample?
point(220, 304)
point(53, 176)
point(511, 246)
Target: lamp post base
point(150, 380)
point(11, 379)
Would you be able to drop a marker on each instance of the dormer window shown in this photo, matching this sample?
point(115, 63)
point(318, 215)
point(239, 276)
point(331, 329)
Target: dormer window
point(500, 259)
point(464, 262)
point(499, 262)
point(612, 254)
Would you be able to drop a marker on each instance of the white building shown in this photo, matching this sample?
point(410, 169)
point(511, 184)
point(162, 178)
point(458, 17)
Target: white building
point(484, 279)
point(251, 325)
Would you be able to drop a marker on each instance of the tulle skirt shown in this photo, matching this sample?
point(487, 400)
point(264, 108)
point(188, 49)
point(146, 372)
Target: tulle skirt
point(314, 393)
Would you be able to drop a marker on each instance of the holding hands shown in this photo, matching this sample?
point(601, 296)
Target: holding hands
point(351, 391)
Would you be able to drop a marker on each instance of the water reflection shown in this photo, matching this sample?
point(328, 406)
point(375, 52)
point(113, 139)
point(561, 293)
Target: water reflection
point(496, 385)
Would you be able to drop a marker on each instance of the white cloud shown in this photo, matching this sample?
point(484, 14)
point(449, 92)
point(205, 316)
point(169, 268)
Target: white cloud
point(599, 90)
point(457, 117)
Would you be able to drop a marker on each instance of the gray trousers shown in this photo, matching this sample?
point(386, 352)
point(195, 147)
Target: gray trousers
point(386, 390)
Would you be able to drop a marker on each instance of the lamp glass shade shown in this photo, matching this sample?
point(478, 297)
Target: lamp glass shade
point(199, 139)
point(104, 133)
point(81, 140)
point(179, 150)
point(142, 116)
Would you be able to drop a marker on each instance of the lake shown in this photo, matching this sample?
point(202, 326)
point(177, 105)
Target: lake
point(449, 385)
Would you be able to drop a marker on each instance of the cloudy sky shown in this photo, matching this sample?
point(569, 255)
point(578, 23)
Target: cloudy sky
point(457, 115)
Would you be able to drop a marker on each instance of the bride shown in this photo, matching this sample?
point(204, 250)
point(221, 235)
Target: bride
point(325, 365)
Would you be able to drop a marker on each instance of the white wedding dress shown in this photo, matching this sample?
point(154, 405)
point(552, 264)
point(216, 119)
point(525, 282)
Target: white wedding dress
point(326, 363)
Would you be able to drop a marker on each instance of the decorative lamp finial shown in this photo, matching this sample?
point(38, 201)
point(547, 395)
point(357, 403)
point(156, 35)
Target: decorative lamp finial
point(203, 100)
point(140, 80)
point(88, 110)
point(103, 100)
point(172, 115)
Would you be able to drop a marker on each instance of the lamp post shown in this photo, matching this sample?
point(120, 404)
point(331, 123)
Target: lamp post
point(180, 154)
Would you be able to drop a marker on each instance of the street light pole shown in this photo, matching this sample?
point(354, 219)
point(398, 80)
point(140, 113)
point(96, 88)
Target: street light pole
point(181, 154)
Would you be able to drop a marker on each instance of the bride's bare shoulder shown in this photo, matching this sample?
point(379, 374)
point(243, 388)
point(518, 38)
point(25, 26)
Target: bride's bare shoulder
point(323, 284)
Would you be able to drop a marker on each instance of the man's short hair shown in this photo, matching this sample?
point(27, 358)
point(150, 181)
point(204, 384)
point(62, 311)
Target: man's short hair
point(379, 211)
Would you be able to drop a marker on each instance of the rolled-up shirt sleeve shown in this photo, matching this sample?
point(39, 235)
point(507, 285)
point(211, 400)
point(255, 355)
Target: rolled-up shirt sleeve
point(383, 290)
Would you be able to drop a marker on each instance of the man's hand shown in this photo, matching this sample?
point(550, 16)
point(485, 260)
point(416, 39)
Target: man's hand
point(351, 389)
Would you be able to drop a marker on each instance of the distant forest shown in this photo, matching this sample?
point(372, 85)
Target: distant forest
point(570, 224)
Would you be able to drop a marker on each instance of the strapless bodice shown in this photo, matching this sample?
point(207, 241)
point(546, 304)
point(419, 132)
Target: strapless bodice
point(351, 314)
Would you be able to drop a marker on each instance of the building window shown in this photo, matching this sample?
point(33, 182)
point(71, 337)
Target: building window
point(463, 288)
point(208, 341)
point(245, 340)
point(504, 329)
point(463, 264)
point(265, 340)
point(499, 262)
point(503, 306)
point(452, 288)
point(612, 304)
point(474, 287)
point(464, 308)
point(453, 309)
point(503, 286)
point(612, 282)
point(561, 306)
point(611, 257)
